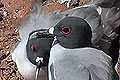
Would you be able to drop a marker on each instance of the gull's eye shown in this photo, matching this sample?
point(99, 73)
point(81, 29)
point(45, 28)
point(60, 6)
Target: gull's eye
point(32, 48)
point(66, 30)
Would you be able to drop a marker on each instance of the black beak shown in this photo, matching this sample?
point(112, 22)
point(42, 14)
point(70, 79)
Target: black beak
point(44, 33)
point(37, 70)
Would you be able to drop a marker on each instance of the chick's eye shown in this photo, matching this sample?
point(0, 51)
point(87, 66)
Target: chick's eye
point(66, 30)
point(32, 48)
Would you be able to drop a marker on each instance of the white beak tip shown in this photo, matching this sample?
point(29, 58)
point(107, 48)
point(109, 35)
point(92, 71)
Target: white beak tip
point(51, 30)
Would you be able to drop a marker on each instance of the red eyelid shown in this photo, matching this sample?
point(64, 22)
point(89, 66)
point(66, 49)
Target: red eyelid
point(32, 47)
point(65, 32)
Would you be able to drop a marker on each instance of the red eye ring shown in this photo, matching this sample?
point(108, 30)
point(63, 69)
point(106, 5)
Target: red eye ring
point(66, 30)
point(32, 47)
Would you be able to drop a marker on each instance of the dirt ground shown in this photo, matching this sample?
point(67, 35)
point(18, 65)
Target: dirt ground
point(10, 11)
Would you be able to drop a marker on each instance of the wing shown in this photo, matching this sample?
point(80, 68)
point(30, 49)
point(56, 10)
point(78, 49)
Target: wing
point(101, 67)
point(68, 71)
point(102, 3)
point(112, 22)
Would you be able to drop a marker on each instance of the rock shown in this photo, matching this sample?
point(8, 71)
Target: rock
point(1, 5)
point(1, 17)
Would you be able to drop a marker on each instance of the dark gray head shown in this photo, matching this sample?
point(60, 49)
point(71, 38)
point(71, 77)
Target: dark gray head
point(73, 32)
point(39, 45)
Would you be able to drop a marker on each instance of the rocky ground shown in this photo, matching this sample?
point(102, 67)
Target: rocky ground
point(10, 11)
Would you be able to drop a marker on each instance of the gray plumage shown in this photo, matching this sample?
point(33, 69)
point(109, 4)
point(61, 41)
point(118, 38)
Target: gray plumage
point(110, 20)
point(109, 15)
point(79, 64)
point(102, 3)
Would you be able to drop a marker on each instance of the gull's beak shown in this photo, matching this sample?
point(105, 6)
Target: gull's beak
point(45, 32)
point(51, 32)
